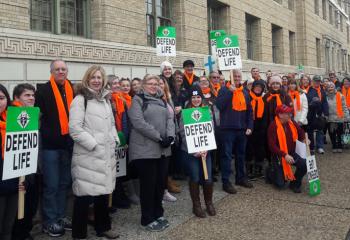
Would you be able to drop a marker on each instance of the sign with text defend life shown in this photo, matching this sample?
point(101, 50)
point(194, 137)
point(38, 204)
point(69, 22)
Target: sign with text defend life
point(214, 34)
point(199, 129)
point(228, 53)
point(120, 155)
point(166, 41)
point(312, 175)
point(21, 142)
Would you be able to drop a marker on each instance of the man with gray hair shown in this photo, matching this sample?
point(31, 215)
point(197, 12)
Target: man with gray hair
point(54, 99)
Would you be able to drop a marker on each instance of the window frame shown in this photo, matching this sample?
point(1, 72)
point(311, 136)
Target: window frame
point(56, 23)
point(156, 19)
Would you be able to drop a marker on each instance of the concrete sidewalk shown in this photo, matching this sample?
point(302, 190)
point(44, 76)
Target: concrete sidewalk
point(259, 213)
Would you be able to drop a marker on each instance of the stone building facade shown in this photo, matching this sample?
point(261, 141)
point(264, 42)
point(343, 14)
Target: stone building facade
point(274, 35)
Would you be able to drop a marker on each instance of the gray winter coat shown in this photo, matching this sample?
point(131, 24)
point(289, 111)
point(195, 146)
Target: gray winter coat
point(332, 104)
point(93, 130)
point(150, 123)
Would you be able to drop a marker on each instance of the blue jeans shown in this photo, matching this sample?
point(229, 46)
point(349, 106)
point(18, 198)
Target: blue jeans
point(56, 169)
point(319, 138)
point(194, 168)
point(233, 141)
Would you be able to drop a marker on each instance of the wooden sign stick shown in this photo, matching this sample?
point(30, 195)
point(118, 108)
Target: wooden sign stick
point(205, 170)
point(307, 145)
point(110, 200)
point(21, 199)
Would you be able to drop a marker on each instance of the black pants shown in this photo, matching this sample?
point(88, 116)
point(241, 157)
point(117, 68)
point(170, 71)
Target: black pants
point(335, 131)
point(153, 174)
point(275, 174)
point(255, 153)
point(80, 215)
point(21, 228)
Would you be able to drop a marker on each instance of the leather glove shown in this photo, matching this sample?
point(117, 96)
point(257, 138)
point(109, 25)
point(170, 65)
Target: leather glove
point(165, 143)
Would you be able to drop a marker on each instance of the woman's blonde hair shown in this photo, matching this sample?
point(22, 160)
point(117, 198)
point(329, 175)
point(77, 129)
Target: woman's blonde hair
point(90, 72)
point(149, 77)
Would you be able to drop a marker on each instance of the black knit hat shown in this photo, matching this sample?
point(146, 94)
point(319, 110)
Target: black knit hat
point(195, 91)
point(260, 83)
point(188, 62)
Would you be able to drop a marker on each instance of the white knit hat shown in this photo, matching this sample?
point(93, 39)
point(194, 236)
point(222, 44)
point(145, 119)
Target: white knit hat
point(276, 78)
point(165, 64)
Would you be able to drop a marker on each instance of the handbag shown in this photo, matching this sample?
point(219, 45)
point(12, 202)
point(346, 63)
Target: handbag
point(274, 172)
point(319, 123)
point(345, 137)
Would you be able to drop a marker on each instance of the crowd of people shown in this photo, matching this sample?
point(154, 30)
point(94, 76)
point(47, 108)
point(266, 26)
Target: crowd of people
point(257, 123)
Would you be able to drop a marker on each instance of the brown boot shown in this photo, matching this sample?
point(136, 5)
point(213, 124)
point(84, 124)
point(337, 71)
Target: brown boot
point(208, 197)
point(172, 186)
point(197, 208)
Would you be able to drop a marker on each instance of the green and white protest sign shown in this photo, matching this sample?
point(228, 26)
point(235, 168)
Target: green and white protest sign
point(312, 175)
point(214, 34)
point(228, 53)
point(120, 155)
point(166, 41)
point(21, 142)
point(199, 129)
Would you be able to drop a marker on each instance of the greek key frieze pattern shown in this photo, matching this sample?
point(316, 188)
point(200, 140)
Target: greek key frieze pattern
point(15, 47)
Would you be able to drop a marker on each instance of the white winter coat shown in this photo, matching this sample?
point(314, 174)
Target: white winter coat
point(95, 136)
point(301, 116)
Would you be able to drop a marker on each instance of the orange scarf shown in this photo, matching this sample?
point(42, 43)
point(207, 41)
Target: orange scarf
point(338, 101)
point(3, 132)
point(295, 96)
point(127, 98)
point(17, 104)
point(62, 114)
point(238, 100)
point(305, 88)
point(189, 77)
point(282, 141)
point(206, 90)
point(260, 102)
point(346, 94)
point(120, 109)
point(318, 89)
point(216, 86)
point(278, 98)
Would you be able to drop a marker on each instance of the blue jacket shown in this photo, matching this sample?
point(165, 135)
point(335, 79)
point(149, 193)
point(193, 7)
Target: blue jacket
point(229, 118)
point(316, 107)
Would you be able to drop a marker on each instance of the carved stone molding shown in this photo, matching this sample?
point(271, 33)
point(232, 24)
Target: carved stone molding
point(85, 50)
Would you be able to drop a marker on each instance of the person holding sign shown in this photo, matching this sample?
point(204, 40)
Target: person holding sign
point(189, 77)
point(54, 99)
point(151, 135)
point(24, 95)
point(8, 188)
point(195, 168)
point(236, 123)
point(282, 134)
point(92, 127)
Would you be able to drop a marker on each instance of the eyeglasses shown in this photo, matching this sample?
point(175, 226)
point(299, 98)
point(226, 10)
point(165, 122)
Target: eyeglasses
point(62, 69)
point(153, 84)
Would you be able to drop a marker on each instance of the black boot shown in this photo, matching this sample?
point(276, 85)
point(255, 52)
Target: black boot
point(208, 198)
point(197, 208)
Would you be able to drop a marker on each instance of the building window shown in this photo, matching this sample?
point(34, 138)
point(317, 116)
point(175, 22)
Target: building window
point(347, 34)
point(60, 16)
point(277, 36)
point(252, 36)
point(40, 15)
point(317, 7)
point(158, 13)
point(218, 16)
point(292, 48)
point(291, 5)
point(318, 52)
point(331, 20)
point(341, 23)
point(324, 9)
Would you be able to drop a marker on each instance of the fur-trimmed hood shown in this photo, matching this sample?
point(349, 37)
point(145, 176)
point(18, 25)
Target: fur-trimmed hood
point(89, 94)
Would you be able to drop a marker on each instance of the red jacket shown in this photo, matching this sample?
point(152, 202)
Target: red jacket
point(273, 140)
